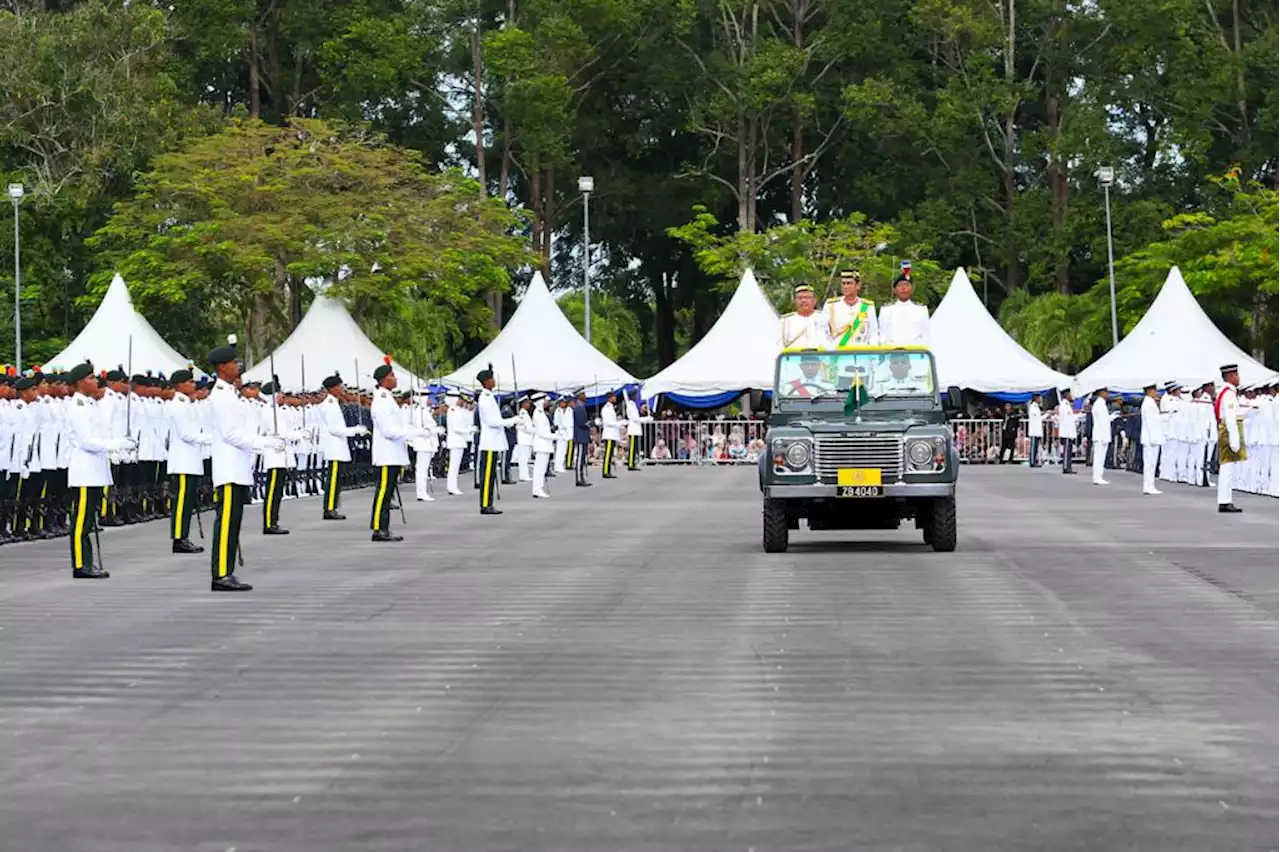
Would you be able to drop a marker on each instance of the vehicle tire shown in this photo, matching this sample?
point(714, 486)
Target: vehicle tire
point(775, 526)
point(926, 526)
point(940, 531)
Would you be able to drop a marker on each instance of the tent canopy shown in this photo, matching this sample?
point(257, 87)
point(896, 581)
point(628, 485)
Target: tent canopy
point(114, 333)
point(737, 353)
point(548, 352)
point(974, 353)
point(328, 341)
point(1174, 341)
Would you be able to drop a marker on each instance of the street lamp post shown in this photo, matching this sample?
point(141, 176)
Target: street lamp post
point(15, 192)
point(586, 185)
point(1106, 177)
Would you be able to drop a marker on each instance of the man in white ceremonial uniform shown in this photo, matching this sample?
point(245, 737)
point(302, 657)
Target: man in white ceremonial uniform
point(235, 440)
point(806, 326)
point(1170, 459)
point(635, 431)
point(89, 470)
point(610, 434)
point(185, 464)
point(904, 322)
point(562, 422)
point(1153, 438)
point(544, 444)
point(1035, 430)
point(524, 439)
point(1100, 437)
point(391, 434)
point(1231, 450)
point(334, 433)
point(274, 420)
point(851, 319)
point(493, 441)
point(1068, 429)
point(458, 422)
point(425, 445)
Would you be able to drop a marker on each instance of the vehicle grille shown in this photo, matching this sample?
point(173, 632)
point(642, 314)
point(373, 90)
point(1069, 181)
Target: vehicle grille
point(832, 452)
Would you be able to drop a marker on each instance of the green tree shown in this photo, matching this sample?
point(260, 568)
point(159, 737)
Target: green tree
point(225, 232)
point(614, 329)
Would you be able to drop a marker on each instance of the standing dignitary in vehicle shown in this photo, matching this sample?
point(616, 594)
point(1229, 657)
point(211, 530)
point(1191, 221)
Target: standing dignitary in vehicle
point(1067, 429)
point(635, 433)
point(904, 322)
point(806, 326)
point(544, 444)
point(185, 464)
point(1100, 437)
point(235, 440)
point(851, 319)
point(1231, 449)
point(610, 434)
point(493, 442)
point(391, 434)
point(457, 438)
point(1153, 438)
point(334, 433)
point(89, 470)
point(581, 439)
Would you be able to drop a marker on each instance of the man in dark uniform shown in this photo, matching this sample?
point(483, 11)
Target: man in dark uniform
point(581, 439)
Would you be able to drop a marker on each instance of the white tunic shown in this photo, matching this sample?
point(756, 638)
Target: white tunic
point(543, 438)
point(904, 324)
point(90, 464)
point(334, 431)
point(187, 439)
point(391, 430)
point(493, 438)
point(524, 429)
point(1035, 421)
point(842, 315)
point(235, 436)
point(800, 332)
point(1101, 421)
point(1067, 420)
point(1152, 424)
point(609, 424)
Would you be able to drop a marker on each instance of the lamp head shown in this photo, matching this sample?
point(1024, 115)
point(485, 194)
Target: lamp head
point(16, 191)
point(1106, 175)
point(586, 184)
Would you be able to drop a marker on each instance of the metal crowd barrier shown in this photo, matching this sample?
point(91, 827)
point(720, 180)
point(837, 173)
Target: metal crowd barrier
point(978, 441)
point(703, 442)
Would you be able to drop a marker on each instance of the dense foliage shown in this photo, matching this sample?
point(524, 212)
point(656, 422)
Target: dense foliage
point(426, 138)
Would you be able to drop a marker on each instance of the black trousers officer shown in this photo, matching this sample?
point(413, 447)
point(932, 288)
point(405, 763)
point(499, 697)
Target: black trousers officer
point(489, 463)
point(184, 490)
point(231, 500)
point(380, 521)
point(633, 452)
point(276, 478)
point(84, 515)
point(332, 488)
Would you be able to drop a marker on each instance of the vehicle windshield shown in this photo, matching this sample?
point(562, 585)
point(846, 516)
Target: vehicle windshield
point(869, 376)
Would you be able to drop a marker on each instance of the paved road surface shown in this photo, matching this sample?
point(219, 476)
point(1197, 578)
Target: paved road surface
point(622, 668)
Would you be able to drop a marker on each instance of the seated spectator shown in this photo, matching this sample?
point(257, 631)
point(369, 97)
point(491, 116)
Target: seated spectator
point(660, 451)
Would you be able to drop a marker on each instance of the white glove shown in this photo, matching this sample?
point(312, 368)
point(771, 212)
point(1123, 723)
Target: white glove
point(360, 431)
point(268, 442)
point(599, 422)
point(124, 445)
point(113, 457)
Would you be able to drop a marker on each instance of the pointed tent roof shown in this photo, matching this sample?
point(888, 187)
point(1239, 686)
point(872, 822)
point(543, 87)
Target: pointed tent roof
point(736, 354)
point(975, 353)
point(115, 331)
point(549, 353)
point(1174, 341)
point(330, 342)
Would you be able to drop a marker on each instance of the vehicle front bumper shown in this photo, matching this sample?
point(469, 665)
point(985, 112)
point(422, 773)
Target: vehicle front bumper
point(896, 489)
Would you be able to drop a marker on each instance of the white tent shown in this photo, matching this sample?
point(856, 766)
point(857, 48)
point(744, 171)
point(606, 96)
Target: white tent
point(1174, 341)
point(736, 354)
point(549, 353)
point(114, 334)
point(974, 353)
point(327, 341)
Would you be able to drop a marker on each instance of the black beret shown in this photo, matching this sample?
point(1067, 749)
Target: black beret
point(269, 387)
point(381, 373)
point(139, 379)
point(222, 355)
point(80, 372)
point(24, 383)
point(484, 375)
point(117, 375)
point(180, 376)
point(332, 381)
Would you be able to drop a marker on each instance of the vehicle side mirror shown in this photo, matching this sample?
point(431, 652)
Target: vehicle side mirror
point(953, 402)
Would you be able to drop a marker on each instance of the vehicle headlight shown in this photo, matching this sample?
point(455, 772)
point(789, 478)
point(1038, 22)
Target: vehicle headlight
point(927, 454)
point(797, 455)
point(920, 453)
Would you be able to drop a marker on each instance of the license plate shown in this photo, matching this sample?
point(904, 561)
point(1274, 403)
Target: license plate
point(859, 491)
point(852, 476)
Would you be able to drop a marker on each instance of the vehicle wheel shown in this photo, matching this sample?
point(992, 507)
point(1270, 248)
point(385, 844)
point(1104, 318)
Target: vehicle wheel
point(775, 526)
point(925, 525)
point(940, 531)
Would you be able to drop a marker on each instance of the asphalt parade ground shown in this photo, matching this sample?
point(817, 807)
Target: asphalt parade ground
point(623, 668)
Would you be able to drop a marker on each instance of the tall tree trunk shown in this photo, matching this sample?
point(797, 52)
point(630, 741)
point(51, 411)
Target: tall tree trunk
point(477, 105)
point(664, 314)
point(255, 96)
point(1057, 174)
point(1241, 101)
point(798, 174)
point(548, 218)
point(1010, 129)
point(275, 84)
point(745, 200)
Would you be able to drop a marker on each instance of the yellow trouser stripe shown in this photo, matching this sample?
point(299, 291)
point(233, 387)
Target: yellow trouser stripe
point(104, 500)
point(224, 534)
point(488, 478)
point(608, 455)
point(271, 499)
point(333, 485)
point(377, 504)
point(178, 531)
point(568, 454)
point(78, 541)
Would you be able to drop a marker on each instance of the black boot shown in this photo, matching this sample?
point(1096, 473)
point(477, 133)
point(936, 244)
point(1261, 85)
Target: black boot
point(383, 535)
point(274, 531)
point(1229, 509)
point(334, 516)
point(230, 584)
point(90, 573)
point(489, 510)
point(182, 545)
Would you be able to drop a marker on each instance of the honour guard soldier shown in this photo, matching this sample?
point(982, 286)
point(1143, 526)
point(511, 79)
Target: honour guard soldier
point(7, 424)
point(391, 434)
point(1153, 438)
point(1100, 437)
point(904, 323)
point(1067, 429)
point(185, 464)
point(89, 470)
point(544, 444)
point(524, 439)
point(1035, 429)
point(425, 445)
point(562, 422)
point(609, 433)
point(457, 424)
point(493, 442)
point(1170, 406)
point(635, 432)
point(851, 319)
point(1231, 449)
point(277, 463)
point(235, 440)
point(116, 511)
point(334, 433)
point(805, 327)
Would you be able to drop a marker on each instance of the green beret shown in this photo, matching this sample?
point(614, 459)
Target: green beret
point(80, 372)
point(222, 355)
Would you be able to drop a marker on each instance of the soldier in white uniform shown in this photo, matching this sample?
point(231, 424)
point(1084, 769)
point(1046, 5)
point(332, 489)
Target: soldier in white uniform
point(391, 434)
point(851, 319)
point(493, 442)
point(425, 445)
point(276, 463)
point(562, 422)
point(1035, 430)
point(609, 433)
point(524, 439)
point(1231, 450)
point(1170, 461)
point(457, 438)
point(1100, 438)
point(904, 323)
point(635, 431)
point(334, 433)
point(7, 424)
point(544, 444)
point(1068, 430)
point(89, 470)
point(185, 464)
point(805, 327)
point(1153, 438)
